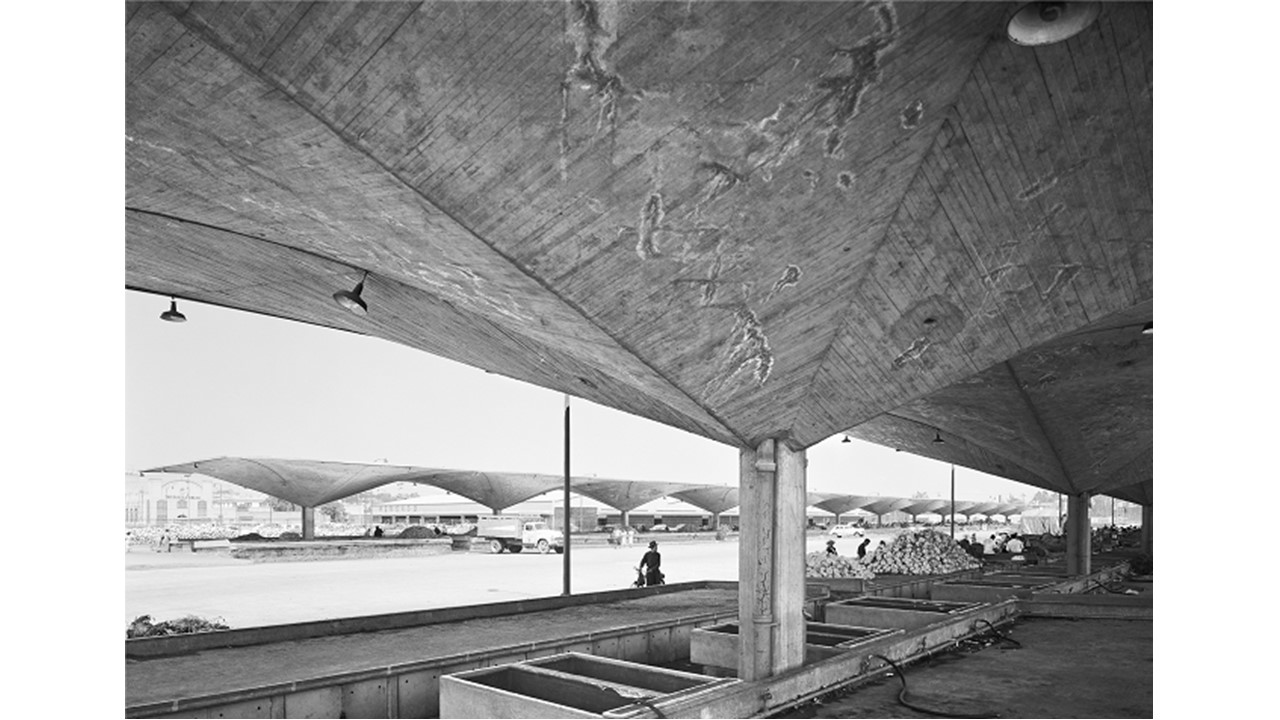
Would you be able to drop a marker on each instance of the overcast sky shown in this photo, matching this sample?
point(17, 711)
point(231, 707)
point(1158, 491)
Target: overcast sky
point(230, 383)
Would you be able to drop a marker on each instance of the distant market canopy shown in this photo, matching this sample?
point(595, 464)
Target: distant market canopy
point(311, 483)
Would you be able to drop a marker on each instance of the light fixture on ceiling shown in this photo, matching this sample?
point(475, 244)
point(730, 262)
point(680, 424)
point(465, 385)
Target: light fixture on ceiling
point(846, 439)
point(937, 437)
point(172, 314)
point(351, 300)
point(1045, 23)
point(1146, 329)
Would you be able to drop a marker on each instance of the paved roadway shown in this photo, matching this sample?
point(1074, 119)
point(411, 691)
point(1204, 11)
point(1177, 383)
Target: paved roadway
point(246, 594)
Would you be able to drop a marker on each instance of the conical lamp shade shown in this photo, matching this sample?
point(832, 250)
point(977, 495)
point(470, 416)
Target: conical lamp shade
point(172, 314)
point(1045, 23)
point(351, 300)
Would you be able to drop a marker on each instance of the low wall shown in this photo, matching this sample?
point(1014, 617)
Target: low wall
point(1020, 585)
point(412, 689)
point(914, 586)
point(156, 647)
point(1100, 607)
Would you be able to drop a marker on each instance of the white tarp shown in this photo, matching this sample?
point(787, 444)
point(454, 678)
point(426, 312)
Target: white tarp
point(1039, 521)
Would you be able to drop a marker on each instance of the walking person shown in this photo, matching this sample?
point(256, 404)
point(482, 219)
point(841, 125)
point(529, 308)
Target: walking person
point(862, 549)
point(650, 564)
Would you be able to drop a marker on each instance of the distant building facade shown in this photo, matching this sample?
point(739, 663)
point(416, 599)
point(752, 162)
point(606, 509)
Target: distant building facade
point(155, 500)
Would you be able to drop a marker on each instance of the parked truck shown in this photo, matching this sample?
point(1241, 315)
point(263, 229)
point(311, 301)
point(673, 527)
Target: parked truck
point(515, 533)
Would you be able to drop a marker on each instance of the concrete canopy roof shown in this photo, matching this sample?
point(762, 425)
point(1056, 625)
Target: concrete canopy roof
point(713, 499)
point(494, 490)
point(885, 505)
point(744, 220)
point(314, 482)
point(841, 504)
point(1008, 509)
point(983, 509)
point(920, 507)
point(1139, 493)
point(963, 507)
point(309, 483)
point(626, 495)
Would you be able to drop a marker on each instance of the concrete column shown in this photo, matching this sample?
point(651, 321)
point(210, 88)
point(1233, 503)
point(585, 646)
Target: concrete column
point(771, 560)
point(308, 523)
point(1079, 552)
point(1146, 529)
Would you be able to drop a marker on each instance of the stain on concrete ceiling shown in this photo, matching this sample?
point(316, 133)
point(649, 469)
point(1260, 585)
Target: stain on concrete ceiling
point(744, 220)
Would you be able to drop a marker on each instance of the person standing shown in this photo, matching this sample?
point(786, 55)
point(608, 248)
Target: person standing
point(862, 549)
point(650, 564)
point(831, 548)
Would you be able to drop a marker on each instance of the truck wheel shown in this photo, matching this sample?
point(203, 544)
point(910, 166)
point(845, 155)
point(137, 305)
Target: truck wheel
point(495, 546)
point(515, 548)
point(544, 547)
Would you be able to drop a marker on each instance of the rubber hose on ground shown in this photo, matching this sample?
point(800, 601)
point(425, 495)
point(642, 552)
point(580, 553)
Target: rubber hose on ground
point(902, 698)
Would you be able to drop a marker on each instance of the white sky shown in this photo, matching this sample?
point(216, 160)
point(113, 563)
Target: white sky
point(231, 383)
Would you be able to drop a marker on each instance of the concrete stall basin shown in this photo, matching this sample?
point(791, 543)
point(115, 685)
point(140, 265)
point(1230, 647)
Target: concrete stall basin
point(570, 685)
point(1025, 578)
point(989, 591)
point(892, 612)
point(716, 646)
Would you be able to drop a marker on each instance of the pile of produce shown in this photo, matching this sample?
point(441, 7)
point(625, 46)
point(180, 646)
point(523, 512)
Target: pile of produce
point(420, 531)
point(926, 552)
point(822, 565)
point(142, 626)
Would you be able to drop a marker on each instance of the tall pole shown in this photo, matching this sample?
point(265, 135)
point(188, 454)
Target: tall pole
point(953, 502)
point(566, 495)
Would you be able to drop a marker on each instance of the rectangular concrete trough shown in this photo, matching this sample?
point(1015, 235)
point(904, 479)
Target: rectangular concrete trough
point(717, 646)
point(989, 591)
point(892, 612)
point(1027, 577)
point(569, 685)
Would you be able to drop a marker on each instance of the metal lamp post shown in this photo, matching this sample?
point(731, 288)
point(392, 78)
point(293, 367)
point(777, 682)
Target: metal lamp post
point(567, 507)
